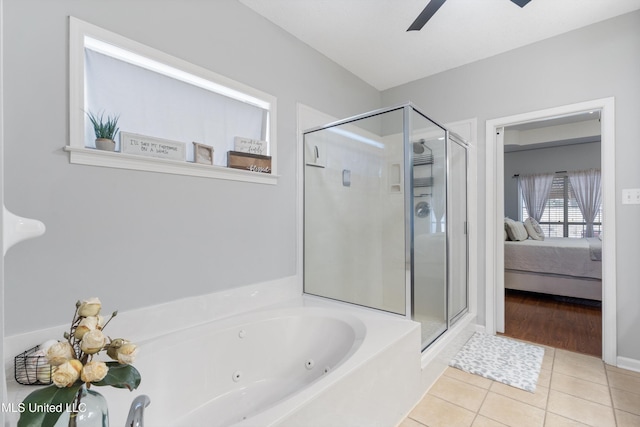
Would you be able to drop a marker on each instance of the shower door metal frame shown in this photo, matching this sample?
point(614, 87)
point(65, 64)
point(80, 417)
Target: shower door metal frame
point(450, 137)
point(409, 217)
point(453, 138)
point(408, 209)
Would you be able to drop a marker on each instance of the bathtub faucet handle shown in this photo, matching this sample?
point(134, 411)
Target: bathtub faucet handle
point(136, 411)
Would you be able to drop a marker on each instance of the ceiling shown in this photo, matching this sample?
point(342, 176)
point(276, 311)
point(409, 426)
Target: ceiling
point(569, 129)
point(369, 37)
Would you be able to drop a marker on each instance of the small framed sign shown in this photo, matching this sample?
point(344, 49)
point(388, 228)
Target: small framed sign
point(202, 153)
point(251, 146)
point(250, 162)
point(149, 146)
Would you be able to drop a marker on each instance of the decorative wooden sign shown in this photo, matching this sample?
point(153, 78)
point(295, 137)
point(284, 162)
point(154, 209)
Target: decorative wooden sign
point(250, 162)
point(202, 153)
point(252, 146)
point(149, 146)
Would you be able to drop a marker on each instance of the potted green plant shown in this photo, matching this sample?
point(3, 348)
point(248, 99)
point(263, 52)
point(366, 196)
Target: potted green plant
point(105, 129)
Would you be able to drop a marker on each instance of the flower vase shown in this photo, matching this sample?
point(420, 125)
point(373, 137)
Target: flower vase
point(88, 409)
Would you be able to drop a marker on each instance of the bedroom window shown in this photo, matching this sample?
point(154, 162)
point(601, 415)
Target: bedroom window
point(562, 216)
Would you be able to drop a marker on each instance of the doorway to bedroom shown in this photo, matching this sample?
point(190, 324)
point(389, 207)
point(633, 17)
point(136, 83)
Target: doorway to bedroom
point(553, 269)
point(497, 179)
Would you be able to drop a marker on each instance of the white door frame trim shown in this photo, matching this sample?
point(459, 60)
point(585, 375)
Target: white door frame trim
point(494, 303)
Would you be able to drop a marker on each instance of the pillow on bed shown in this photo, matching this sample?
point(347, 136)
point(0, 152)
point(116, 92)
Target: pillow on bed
point(515, 230)
point(533, 229)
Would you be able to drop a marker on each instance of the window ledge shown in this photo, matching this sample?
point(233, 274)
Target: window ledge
point(93, 157)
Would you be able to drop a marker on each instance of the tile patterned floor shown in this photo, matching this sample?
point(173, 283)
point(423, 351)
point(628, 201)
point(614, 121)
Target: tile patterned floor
point(573, 390)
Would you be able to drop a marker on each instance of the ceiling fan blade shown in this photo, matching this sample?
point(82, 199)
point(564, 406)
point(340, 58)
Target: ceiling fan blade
point(426, 14)
point(521, 3)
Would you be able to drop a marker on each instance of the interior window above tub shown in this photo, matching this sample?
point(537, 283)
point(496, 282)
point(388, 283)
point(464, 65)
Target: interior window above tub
point(159, 96)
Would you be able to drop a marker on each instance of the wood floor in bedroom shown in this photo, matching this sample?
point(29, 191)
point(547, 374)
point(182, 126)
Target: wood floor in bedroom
point(574, 325)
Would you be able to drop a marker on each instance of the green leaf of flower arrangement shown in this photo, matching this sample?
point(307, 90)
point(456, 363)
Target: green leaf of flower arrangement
point(43, 407)
point(121, 376)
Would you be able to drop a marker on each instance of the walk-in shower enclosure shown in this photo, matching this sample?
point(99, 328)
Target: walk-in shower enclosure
point(385, 216)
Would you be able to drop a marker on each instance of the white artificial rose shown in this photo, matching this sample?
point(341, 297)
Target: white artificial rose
point(123, 351)
point(92, 342)
point(94, 371)
point(87, 324)
point(114, 345)
point(67, 373)
point(59, 353)
point(45, 345)
point(90, 307)
point(127, 353)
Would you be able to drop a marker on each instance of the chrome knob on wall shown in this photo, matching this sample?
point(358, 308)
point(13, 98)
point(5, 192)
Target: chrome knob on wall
point(422, 210)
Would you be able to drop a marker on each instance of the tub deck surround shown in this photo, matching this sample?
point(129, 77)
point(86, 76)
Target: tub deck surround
point(150, 322)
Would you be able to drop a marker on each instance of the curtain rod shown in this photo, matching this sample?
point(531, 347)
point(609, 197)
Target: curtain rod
point(557, 172)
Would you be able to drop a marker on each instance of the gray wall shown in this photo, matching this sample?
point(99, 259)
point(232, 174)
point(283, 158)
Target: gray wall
point(137, 238)
point(544, 160)
point(594, 62)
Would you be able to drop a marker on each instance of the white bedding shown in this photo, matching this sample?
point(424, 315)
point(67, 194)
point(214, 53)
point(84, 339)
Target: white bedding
point(571, 257)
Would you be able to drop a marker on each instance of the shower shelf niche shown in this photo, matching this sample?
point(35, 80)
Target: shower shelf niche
point(395, 178)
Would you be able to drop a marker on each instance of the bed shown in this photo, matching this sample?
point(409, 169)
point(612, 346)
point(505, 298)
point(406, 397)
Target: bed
point(556, 266)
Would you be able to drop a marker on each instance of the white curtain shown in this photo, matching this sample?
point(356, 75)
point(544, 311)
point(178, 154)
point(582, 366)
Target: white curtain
point(586, 190)
point(535, 191)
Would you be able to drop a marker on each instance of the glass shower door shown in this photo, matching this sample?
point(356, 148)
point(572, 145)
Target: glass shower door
point(428, 207)
point(458, 242)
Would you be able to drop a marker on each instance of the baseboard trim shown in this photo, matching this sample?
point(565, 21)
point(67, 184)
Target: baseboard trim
point(628, 363)
point(481, 328)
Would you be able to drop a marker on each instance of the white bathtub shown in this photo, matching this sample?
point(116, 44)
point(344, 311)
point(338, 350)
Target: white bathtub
point(302, 363)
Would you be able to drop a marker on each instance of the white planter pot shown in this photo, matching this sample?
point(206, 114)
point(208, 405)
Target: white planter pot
point(105, 144)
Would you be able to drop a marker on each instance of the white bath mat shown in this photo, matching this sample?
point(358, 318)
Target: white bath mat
point(501, 359)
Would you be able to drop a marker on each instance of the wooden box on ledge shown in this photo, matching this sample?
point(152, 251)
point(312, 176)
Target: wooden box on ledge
point(250, 162)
